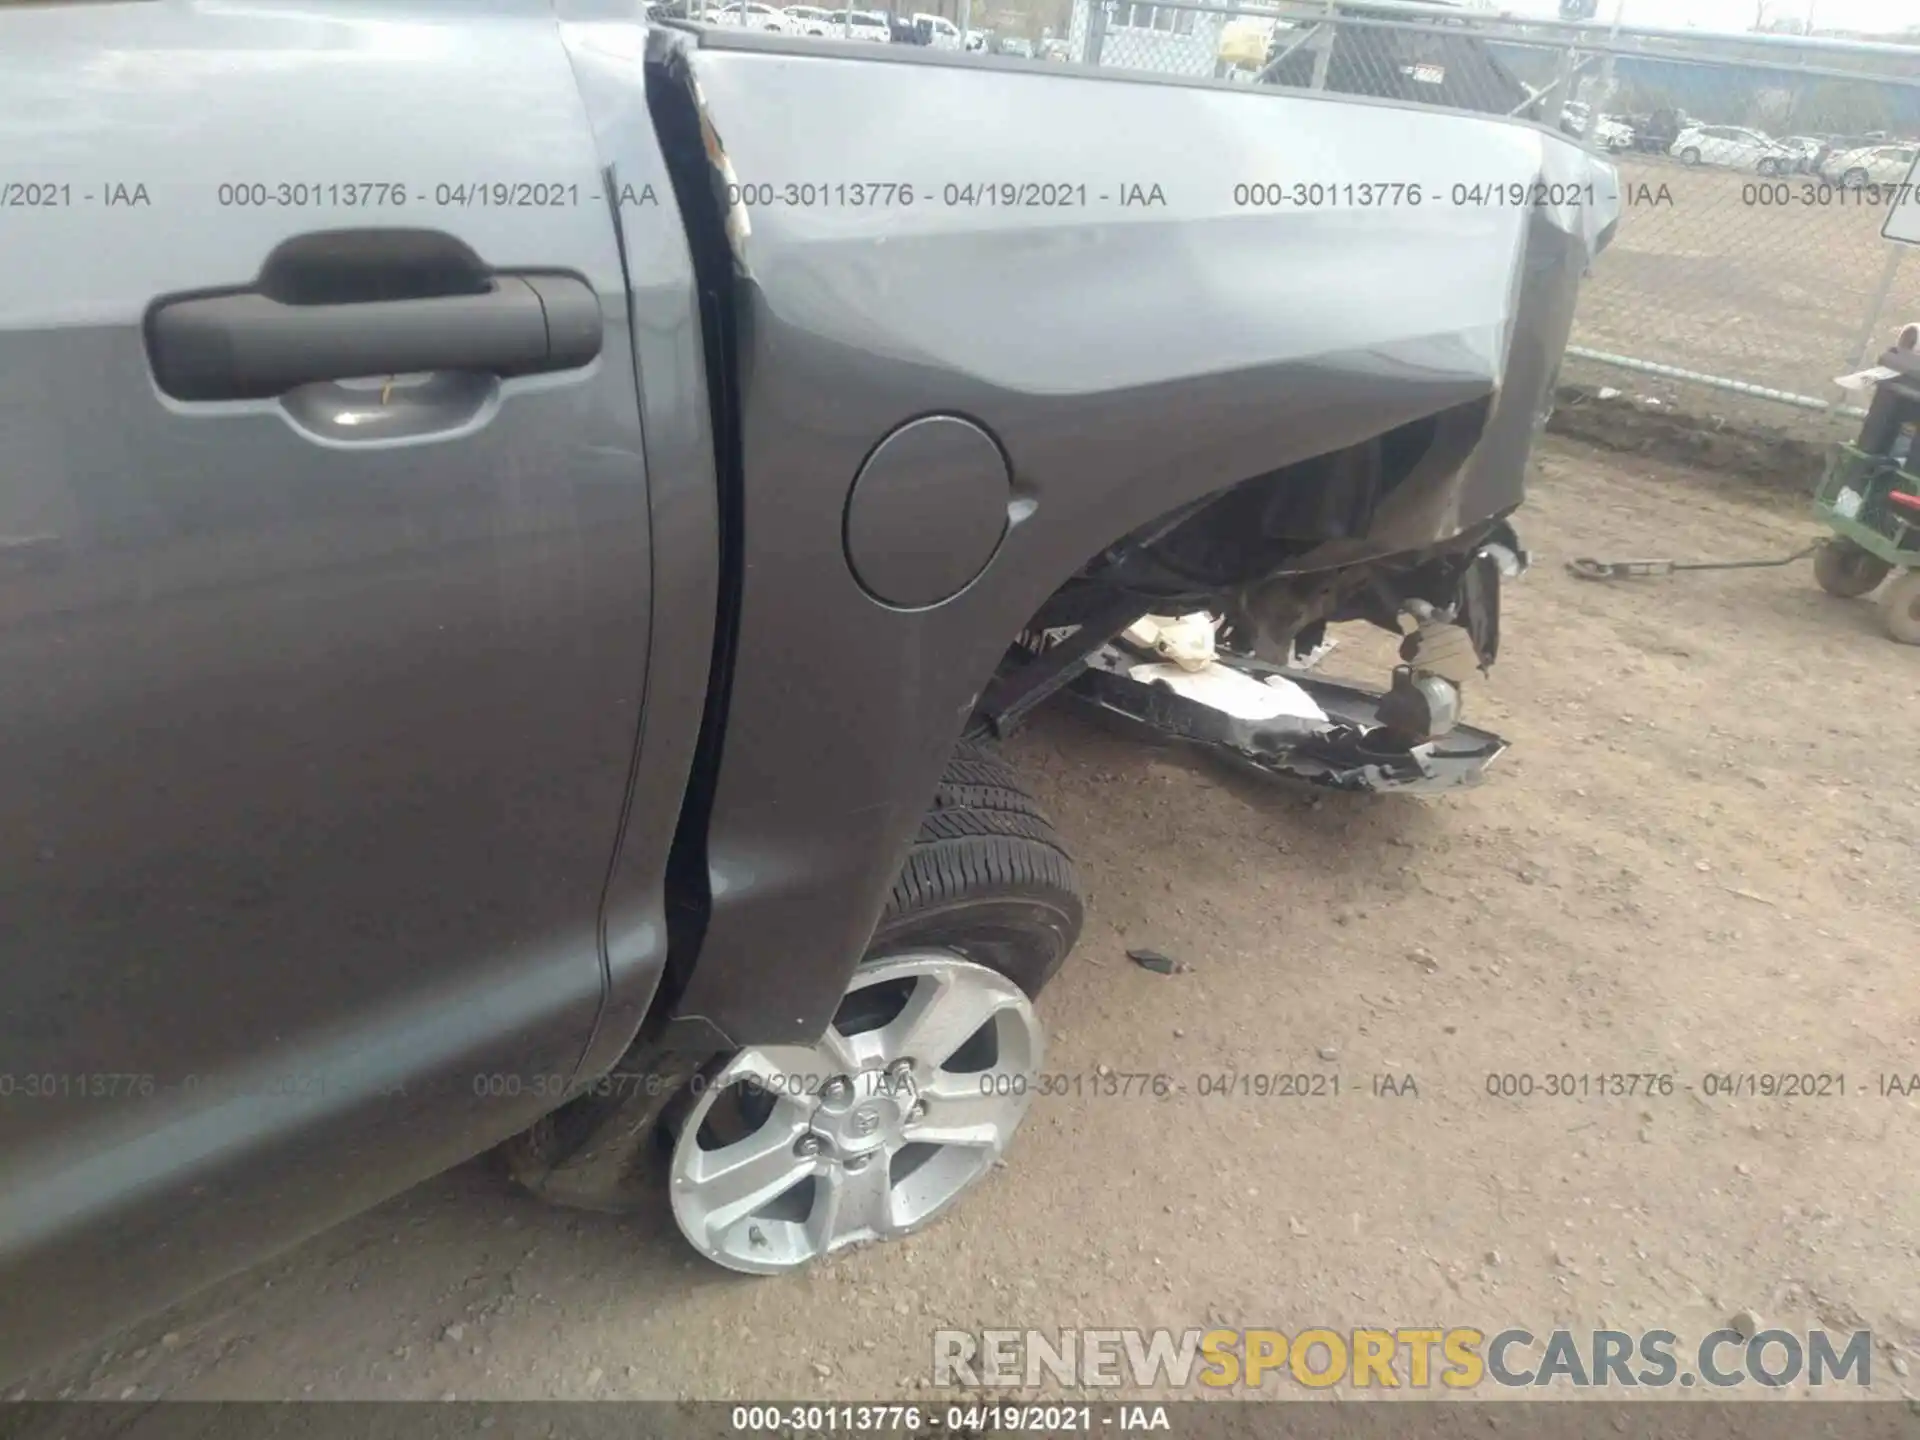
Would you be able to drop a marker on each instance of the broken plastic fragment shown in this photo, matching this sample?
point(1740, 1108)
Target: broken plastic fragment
point(1186, 640)
point(1233, 692)
point(1153, 960)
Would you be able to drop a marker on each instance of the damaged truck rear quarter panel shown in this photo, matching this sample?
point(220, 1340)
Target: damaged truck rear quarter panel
point(1128, 358)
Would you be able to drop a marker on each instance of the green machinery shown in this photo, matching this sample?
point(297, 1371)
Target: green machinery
point(1869, 498)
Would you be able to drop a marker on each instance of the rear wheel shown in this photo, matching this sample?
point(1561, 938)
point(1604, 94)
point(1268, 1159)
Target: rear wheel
point(1768, 166)
point(1845, 569)
point(987, 876)
point(1854, 179)
point(784, 1154)
point(1901, 608)
point(1690, 156)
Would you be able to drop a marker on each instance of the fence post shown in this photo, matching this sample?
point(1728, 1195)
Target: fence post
point(1329, 37)
point(1606, 74)
point(1096, 29)
point(1560, 91)
point(1866, 348)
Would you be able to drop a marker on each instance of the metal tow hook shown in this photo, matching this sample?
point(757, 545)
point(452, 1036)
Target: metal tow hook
point(1587, 569)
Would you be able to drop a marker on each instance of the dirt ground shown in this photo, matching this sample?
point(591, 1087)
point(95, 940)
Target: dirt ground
point(1696, 859)
point(1706, 275)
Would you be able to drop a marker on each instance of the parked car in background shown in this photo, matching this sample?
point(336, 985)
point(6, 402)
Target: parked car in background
point(751, 15)
point(1016, 45)
point(836, 24)
point(1734, 147)
point(810, 20)
point(1609, 132)
point(1807, 151)
point(1656, 131)
point(1870, 165)
point(1056, 50)
point(1612, 135)
point(1833, 146)
point(941, 32)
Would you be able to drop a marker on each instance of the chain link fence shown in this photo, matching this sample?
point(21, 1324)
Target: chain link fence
point(1756, 171)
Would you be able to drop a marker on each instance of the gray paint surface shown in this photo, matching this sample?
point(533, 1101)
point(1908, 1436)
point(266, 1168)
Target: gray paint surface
point(927, 510)
point(313, 754)
point(337, 777)
point(606, 49)
point(1128, 357)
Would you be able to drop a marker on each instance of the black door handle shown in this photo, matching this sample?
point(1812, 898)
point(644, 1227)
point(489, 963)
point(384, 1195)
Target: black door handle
point(247, 345)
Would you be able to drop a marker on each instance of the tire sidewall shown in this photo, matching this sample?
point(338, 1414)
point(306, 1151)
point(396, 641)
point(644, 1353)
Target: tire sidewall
point(1902, 608)
point(1847, 571)
point(1024, 938)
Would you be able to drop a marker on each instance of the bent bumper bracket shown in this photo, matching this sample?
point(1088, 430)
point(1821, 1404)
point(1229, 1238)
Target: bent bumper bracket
point(1351, 750)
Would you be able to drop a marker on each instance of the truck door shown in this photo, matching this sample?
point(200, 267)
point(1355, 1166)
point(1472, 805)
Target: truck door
point(324, 615)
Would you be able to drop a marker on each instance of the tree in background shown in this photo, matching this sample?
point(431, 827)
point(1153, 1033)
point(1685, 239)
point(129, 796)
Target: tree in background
point(1638, 97)
point(1771, 110)
point(1840, 107)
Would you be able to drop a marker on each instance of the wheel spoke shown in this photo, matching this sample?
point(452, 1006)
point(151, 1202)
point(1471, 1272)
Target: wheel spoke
point(844, 1052)
point(959, 1114)
point(793, 1074)
point(853, 1204)
point(737, 1179)
point(940, 1017)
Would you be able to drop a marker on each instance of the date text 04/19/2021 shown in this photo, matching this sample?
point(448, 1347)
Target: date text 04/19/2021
point(891, 1419)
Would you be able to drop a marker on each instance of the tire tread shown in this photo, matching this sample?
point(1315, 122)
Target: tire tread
point(985, 839)
point(977, 779)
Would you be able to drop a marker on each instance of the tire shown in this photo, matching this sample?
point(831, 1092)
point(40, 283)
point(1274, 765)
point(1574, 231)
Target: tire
point(909, 1072)
point(1900, 607)
point(1768, 166)
point(1855, 179)
point(1690, 156)
point(1846, 570)
point(986, 876)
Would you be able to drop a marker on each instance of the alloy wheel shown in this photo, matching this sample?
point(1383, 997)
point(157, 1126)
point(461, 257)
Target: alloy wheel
point(790, 1152)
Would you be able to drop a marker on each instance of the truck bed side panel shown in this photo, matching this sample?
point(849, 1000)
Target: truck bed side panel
point(1077, 273)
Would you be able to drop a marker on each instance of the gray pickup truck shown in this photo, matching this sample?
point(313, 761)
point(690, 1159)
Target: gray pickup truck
point(520, 530)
